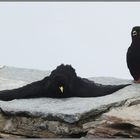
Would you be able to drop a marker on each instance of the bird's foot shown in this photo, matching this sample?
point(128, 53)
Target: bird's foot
point(137, 81)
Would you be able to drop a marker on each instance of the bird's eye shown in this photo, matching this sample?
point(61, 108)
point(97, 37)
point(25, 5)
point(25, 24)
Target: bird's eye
point(134, 33)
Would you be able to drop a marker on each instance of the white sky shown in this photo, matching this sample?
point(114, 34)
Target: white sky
point(91, 36)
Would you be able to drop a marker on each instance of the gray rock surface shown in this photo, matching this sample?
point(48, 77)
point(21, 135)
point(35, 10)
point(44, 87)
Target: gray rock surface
point(22, 74)
point(123, 121)
point(46, 117)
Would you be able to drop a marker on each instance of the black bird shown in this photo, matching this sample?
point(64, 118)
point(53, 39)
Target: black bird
point(63, 82)
point(133, 54)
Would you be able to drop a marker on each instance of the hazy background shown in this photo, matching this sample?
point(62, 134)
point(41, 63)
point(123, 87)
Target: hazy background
point(91, 36)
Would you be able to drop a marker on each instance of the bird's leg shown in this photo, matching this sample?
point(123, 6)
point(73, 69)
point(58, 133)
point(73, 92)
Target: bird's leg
point(137, 81)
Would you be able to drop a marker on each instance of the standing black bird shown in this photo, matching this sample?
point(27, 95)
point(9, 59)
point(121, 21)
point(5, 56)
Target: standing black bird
point(133, 54)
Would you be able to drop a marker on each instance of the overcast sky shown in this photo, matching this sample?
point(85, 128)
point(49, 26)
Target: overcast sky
point(91, 36)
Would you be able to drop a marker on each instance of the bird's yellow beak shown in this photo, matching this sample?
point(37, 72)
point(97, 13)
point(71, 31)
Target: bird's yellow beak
point(61, 89)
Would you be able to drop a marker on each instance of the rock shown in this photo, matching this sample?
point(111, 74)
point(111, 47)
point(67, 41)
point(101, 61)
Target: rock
point(72, 117)
point(22, 74)
point(120, 122)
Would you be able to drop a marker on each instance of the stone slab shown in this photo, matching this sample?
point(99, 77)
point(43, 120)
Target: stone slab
point(68, 110)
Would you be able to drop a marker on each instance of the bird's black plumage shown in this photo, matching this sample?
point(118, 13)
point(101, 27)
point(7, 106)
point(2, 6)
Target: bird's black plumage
point(63, 76)
point(133, 54)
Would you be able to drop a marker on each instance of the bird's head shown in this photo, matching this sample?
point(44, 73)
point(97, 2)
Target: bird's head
point(60, 81)
point(135, 33)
